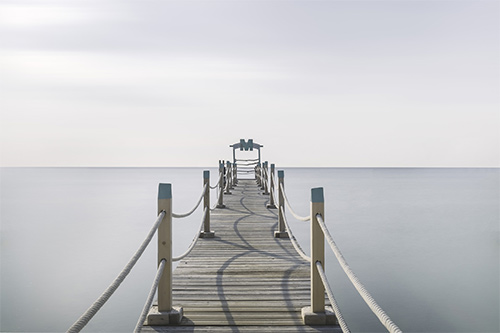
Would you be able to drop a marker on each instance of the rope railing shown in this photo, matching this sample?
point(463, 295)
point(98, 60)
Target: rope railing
point(297, 216)
point(295, 244)
point(151, 295)
point(195, 239)
point(372, 304)
point(333, 301)
point(92, 310)
point(318, 232)
point(218, 181)
point(179, 216)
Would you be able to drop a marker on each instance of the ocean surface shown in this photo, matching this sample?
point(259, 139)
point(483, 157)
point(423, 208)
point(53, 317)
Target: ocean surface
point(424, 242)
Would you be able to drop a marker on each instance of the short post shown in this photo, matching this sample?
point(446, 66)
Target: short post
point(206, 233)
point(257, 173)
point(316, 314)
point(165, 313)
point(220, 203)
point(228, 178)
point(235, 174)
point(281, 232)
point(271, 197)
point(263, 176)
point(230, 175)
point(266, 179)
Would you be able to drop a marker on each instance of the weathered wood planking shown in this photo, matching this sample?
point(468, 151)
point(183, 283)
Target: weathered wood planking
point(244, 279)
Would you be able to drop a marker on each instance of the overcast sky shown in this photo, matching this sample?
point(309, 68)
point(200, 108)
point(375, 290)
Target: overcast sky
point(318, 83)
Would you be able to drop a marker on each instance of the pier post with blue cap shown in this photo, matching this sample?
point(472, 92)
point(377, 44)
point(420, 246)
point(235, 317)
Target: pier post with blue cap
point(317, 314)
point(317, 250)
point(166, 313)
point(281, 232)
point(206, 233)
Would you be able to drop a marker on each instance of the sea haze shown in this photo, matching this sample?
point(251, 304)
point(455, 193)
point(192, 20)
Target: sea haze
point(424, 241)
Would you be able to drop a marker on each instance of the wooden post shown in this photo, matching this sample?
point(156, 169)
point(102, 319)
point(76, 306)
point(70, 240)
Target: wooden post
point(230, 175)
point(257, 173)
point(316, 314)
point(165, 313)
point(206, 233)
point(220, 203)
point(235, 174)
point(317, 250)
point(281, 232)
point(165, 247)
point(263, 176)
point(266, 179)
point(271, 197)
point(228, 178)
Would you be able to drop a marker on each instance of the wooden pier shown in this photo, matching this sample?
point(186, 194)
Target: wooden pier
point(242, 272)
point(244, 279)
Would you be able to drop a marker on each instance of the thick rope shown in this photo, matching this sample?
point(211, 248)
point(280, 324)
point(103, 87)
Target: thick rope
point(195, 239)
point(218, 181)
point(179, 216)
point(376, 309)
point(333, 302)
point(298, 217)
point(92, 310)
point(151, 295)
point(295, 244)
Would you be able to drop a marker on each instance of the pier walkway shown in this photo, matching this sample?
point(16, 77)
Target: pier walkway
point(244, 279)
point(244, 270)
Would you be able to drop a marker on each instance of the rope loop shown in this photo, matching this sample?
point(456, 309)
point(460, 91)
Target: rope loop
point(333, 302)
point(295, 244)
point(195, 239)
point(372, 304)
point(92, 310)
point(298, 217)
point(151, 295)
point(179, 216)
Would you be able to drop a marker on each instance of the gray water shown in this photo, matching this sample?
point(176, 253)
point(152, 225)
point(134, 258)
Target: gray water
point(425, 242)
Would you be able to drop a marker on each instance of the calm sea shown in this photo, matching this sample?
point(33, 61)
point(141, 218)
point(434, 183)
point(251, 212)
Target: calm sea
point(425, 242)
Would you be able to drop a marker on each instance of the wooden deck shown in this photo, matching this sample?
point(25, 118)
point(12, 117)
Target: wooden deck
point(244, 279)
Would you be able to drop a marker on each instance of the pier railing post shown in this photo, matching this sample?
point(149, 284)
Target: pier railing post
point(235, 174)
point(263, 176)
point(228, 178)
point(257, 173)
point(266, 178)
point(317, 250)
point(220, 203)
point(316, 314)
point(271, 197)
point(281, 232)
point(166, 314)
point(206, 233)
point(165, 247)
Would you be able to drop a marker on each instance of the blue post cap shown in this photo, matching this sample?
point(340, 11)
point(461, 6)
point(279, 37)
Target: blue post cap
point(206, 174)
point(317, 195)
point(272, 165)
point(164, 191)
point(281, 174)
